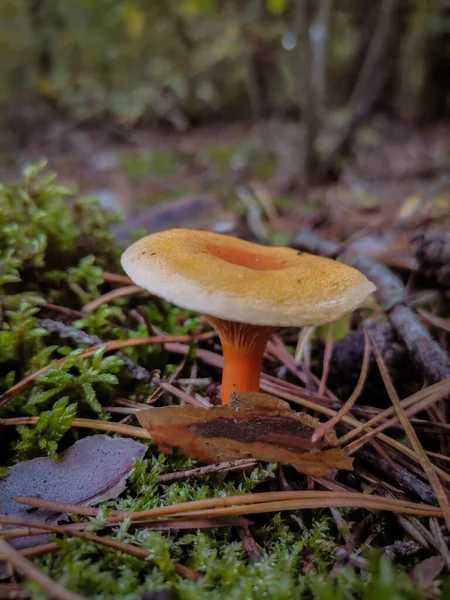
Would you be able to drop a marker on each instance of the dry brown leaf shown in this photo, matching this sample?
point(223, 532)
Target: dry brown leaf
point(425, 573)
point(252, 425)
point(93, 469)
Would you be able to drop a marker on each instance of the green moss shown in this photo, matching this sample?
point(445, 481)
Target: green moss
point(143, 163)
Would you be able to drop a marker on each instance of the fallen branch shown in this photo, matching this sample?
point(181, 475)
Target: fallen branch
point(79, 336)
point(427, 355)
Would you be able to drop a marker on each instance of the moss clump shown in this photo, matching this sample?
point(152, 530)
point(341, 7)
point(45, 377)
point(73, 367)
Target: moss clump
point(54, 249)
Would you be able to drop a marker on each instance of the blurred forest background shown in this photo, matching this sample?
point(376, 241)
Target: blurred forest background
point(303, 78)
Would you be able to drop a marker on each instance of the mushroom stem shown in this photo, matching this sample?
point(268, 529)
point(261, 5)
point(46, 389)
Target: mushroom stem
point(243, 350)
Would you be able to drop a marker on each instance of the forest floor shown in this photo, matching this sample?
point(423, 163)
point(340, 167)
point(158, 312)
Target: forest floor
point(132, 169)
point(73, 363)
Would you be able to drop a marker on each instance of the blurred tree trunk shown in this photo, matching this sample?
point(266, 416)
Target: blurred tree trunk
point(260, 66)
point(436, 97)
point(367, 90)
point(411, 76)
point(320, 36)
point(37, 12)
point(365, 19)
point(306, 92)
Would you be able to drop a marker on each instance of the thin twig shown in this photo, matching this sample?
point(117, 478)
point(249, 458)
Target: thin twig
point(326, 361)
point(322, 429)
point(115, 278)
point(121, 292)
point(230, 465)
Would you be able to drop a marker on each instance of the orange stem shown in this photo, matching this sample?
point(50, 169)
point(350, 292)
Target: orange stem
point(241, 370)
point(243, 350)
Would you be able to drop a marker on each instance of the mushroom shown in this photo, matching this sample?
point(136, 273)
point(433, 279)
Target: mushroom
point(244, 290)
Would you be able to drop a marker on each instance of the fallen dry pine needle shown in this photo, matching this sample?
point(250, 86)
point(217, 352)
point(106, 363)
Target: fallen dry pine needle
point(246, 504)
point(252, 425)
point(411, 405)
point(321, 431)
point(175, 524)
point(128, 430)
point(104, 541)
point(122, 292)
point(438, 488)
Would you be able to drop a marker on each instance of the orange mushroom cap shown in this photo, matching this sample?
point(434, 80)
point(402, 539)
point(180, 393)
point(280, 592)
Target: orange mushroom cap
point(246, 290)
point(233, 279)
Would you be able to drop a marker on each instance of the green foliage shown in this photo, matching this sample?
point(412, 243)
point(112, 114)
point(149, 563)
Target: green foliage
point(227, 573)
point(167, 59)
point(142, 163)
point(43, 237)
point(21, 336)
point(84, 280)
point(41, 227)
point(50, 428)
point(80, 378)
point(100, 321)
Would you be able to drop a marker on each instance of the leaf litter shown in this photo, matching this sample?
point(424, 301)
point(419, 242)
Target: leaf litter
point(253, 425)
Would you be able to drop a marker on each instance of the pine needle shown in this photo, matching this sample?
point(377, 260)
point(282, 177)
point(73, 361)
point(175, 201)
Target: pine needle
point(427, 466)
point(104, 541)
point(128, 430)
point(28, 569)
point(348, 420)
point(438, 391)
point(249, 503)
point(121, 292)
point(409, 412)
point(321, 431)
